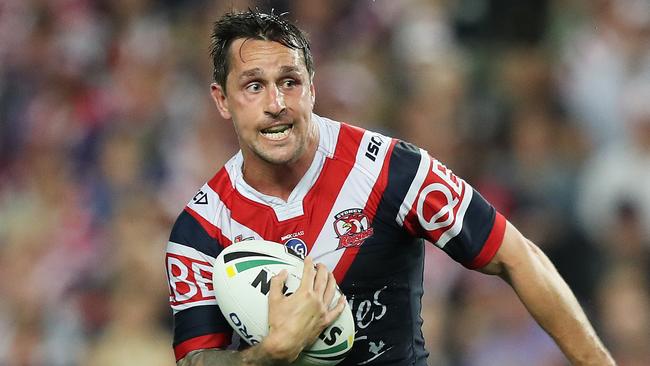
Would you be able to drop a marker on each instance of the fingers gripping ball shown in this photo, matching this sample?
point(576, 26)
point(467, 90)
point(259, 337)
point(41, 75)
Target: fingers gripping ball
point(242, 280)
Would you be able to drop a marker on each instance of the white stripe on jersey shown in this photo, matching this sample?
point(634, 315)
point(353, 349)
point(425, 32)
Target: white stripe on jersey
point(356, 188)
point(329, 134)
point(218, 214)
point(179, 307)
point(416, 184)
point(189, 252)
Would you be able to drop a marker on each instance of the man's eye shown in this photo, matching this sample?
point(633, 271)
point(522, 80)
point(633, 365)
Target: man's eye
point(289, 83)
point(254, 87)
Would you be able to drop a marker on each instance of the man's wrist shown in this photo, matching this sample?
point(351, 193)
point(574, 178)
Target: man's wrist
point(276, 349)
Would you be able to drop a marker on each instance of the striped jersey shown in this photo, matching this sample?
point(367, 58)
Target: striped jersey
point(363, 208)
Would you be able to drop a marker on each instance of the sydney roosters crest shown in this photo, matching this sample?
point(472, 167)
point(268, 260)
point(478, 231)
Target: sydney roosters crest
point(352, 228)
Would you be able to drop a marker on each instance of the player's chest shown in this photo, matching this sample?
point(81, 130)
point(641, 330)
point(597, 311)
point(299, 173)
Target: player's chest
point(318, 227)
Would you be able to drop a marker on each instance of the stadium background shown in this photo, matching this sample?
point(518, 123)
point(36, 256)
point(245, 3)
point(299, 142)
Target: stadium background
point(107, 130)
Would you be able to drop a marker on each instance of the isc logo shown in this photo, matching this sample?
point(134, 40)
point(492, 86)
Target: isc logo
point(373, 148)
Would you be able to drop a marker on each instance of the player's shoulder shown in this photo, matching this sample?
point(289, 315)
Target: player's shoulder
point(219, 187)
point(209, 198)
point(345, 141)
point(404, 150)
point(353, 144)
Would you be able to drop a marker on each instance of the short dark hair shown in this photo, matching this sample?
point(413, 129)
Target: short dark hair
point(254, 25)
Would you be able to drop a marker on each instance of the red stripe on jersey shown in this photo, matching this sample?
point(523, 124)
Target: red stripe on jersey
point(370, 210)
point(320, 199)
point(221, 183)
point(211, 229)
point(218, 340)
point(256, 216)
point(242, 209)
point(492, 244)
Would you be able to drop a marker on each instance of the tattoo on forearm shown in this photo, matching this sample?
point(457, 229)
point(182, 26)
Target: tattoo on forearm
point(211, 357)
point(216, 357)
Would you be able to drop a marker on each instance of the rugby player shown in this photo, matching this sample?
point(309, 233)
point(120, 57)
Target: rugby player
point(358, 203)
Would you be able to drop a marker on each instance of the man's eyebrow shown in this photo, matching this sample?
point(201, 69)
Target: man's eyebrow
point(257, 72)
point(288, 69)
point(252, 73)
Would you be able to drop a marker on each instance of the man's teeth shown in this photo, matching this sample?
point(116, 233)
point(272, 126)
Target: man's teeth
point(277, 132)
point(278, 128)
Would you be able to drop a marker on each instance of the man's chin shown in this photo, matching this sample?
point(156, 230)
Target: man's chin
point(279, 158)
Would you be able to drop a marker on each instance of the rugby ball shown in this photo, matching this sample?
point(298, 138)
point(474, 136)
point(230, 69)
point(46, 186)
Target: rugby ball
point(242, 277)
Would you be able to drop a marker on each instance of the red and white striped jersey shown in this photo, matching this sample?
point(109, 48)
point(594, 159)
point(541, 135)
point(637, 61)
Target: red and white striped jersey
point(363, 209)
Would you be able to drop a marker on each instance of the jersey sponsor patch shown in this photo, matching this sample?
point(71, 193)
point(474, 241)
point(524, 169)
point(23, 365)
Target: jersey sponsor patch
point(190, 277)
point(438, 209)
point(352, 228)
point(297, 246)
point(442, 203)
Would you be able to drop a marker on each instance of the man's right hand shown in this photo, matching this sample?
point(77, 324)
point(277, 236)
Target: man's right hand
point(295, 321)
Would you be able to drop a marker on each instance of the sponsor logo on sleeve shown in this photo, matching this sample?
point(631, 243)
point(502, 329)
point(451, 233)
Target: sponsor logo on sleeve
point(190, 281)
point(442, 203)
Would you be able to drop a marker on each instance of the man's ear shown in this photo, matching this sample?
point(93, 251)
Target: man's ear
point(219, 97)
point(312, 91)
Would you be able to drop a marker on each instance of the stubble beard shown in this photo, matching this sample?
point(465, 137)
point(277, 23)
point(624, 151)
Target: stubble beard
point(270, 158)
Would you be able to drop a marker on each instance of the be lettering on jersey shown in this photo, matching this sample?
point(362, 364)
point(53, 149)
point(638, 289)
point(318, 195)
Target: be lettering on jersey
point(189, 273)
point(440, 202)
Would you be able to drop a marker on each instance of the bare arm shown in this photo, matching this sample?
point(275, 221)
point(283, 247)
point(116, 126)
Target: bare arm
point(209, 357)
point(548, 298)
point(295, 322)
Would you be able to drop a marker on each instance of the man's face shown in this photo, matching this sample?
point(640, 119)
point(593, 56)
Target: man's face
point(270, 97)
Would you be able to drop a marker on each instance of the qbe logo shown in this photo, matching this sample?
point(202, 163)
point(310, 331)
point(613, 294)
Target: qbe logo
point(190, 281)
point(442, 202)
point(445, 216)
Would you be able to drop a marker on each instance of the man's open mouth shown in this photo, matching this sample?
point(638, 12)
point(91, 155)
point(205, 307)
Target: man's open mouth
point(277, 132)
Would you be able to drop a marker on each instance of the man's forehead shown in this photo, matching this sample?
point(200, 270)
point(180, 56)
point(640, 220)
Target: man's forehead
point(245, 51)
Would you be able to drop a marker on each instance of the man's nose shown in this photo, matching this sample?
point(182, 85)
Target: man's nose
point(275, 104)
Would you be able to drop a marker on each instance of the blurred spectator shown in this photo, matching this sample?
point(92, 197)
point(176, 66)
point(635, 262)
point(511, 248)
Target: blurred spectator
point(490, 327)
point(624, 302)
point(620, 174)
point(610, 48)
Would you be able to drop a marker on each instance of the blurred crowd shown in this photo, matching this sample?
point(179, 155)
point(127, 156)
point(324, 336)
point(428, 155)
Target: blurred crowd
point(107, 129)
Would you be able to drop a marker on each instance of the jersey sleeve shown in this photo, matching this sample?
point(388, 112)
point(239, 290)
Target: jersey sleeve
point(445, 210)
point(190, 255)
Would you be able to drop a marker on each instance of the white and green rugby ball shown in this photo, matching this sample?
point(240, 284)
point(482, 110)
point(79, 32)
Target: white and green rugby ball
point(242, 277)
